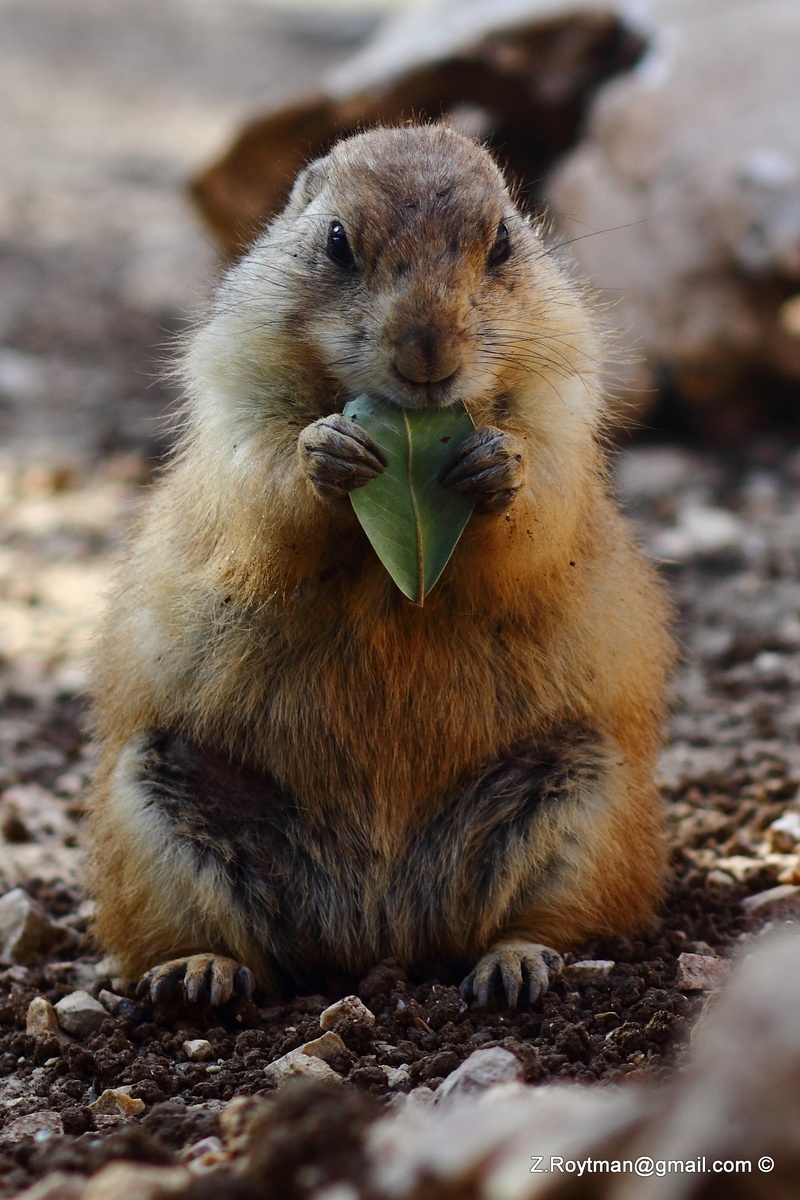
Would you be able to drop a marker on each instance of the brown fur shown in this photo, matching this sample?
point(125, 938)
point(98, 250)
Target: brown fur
point(253, 620)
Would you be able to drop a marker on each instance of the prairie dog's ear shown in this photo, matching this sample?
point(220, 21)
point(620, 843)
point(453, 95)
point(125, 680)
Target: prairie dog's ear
point(308, 184)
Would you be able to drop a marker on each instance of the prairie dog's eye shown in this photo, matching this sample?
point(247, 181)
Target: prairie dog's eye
point(338, 246)
point(501, 248)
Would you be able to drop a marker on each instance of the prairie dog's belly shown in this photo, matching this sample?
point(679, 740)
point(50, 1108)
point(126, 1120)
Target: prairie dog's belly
point(377, 715)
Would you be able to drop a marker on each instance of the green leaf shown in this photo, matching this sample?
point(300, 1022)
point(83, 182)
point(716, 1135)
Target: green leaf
point(412, 522)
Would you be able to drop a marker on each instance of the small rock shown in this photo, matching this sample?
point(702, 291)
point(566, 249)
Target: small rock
point(27, 934)
point(482, 1070)
point(325, 1047)
point(41, 1126)
point(41, 1021)
point(80, 1014)
point(785, 897)
point(739, 867)
point(350, 1008)
point(115, 1102)
point(125, 1179)
point(701, 972)
point(298, 1063)
point(784, 834)
point(396, 1076)
point(110, 1001)
point(589, 969)
point(198, 1050)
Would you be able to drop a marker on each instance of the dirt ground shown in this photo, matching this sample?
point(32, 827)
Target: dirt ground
point(101, 261)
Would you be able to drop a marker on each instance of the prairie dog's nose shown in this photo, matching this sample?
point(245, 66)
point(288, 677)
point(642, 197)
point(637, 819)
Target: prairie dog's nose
point(427, 354)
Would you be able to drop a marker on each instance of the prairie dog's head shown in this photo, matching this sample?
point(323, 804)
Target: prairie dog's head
point(402, 267)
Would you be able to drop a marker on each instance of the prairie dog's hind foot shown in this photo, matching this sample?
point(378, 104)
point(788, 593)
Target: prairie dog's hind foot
point(199, 978)
point(517, 966)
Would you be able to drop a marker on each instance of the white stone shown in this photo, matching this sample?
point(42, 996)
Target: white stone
point(701, 972)
point(784, 834)
point(482, 1070)
point(396, 1076)
point(350, 1008)
point(198, 1049)
point(80, 1014)
point(589, 969)
point(298, 1063)
point(27, 934)
point(786, 896)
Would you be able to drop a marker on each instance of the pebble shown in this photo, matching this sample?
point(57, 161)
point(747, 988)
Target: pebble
point(198, 1050)
point(589, 969)
point(349, 1009)
point(80, 1014)
point(27, 934)
point(110, 1001)
point(786, 896)
point(701, 972)
point(396, 1076)
point(42, 1020)
point(115, 1102)
point(482, 1070)
point(325, 1047)
point(307, 1061)
point(784, 834)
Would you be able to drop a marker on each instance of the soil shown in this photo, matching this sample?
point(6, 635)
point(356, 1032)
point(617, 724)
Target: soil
point(87, 326)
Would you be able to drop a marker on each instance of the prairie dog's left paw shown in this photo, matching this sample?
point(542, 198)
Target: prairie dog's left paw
point(487, 465)
point(514, 965)
point(199, 978)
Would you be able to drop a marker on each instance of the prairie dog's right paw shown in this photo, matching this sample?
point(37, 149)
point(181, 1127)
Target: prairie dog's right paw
point(337, 456)
point(200, 978)
point(514, 967)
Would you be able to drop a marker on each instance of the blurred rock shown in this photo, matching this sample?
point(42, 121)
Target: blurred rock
point(784, 899)
point(137, 1181)
point(39, 1125)
point(59, 1185)
point(701, 972)
point(27, 933)
point(482, 1070)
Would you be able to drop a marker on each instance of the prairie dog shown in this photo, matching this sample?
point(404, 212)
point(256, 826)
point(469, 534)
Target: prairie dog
point(300, 769)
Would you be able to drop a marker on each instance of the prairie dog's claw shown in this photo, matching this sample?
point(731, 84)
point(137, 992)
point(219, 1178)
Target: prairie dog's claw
point(519, 967)
point(199, 978)
point(487, 465)
point(338, 455)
